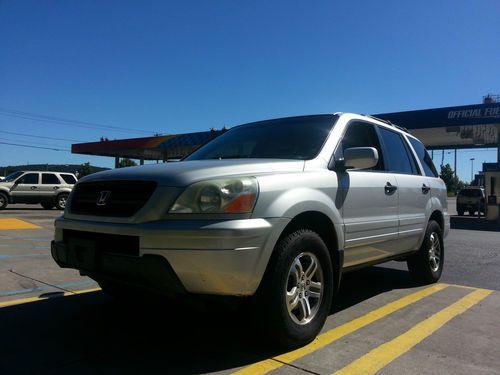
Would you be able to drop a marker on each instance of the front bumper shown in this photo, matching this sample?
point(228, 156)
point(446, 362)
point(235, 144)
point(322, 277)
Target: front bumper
point(226, 257)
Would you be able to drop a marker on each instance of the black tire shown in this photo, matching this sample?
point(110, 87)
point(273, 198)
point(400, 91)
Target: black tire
point(4, 200)
point(47, 206)
point(426, 265)
point(61, 201)
point(472, 212)
point(461, 212)
point(285, 285)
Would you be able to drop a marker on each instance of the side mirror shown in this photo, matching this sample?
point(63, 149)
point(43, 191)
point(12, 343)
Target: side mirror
point(360, 157)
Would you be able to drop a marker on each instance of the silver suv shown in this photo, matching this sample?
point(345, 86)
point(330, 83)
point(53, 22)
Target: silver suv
point(47, 188)
point(277, 210)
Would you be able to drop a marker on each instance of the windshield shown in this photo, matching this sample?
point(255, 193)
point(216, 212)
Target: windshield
point(298, 138)
point(11, 177)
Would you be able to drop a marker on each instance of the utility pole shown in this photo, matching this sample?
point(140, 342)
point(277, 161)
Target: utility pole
point(471, 170)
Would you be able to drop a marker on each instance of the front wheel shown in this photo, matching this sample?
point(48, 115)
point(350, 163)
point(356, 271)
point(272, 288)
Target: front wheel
point(426, 265)
point(3, 201)
point(296, 293)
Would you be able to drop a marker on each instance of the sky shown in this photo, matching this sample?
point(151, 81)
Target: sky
point(123, 69)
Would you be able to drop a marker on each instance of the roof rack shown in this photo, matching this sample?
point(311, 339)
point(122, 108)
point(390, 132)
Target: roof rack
point(388, 123)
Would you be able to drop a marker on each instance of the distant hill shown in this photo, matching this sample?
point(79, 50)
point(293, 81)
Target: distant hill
point(71, 168)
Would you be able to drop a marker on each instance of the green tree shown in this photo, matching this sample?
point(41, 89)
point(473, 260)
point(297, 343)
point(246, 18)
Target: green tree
point(453, 183)
point(85, 169)
point(126, 163)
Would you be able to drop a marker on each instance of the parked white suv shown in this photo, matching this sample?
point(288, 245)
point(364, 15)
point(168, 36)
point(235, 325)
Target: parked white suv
point(47, 188)
point(276, 210)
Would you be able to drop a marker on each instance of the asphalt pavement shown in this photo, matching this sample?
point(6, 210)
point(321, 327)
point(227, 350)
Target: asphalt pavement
point(54, 321)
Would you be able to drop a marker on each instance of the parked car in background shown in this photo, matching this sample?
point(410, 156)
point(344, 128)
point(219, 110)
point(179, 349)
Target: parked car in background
point(275, 210)
point(470, 199)
point(50, 189)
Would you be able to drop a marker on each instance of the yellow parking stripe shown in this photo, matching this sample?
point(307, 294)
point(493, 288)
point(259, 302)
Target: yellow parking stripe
point(267, 365)
point(34, 299)
point(380, 357)
point(16, 224)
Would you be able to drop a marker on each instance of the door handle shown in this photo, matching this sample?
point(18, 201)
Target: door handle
point(425, 189)
point(33, 188)
point(390, 189)
point(56, 187)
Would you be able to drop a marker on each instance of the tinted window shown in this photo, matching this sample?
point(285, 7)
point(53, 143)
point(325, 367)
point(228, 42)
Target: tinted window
point(471, 193)
point(11, 177)
point(29, 178)
point(50, 179)
point(361, 134)
point(425, 159)
point(69, 178)
point(396, 154)
point(290, 138)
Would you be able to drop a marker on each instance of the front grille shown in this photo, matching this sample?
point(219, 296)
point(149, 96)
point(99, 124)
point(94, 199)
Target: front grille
point(111, 198)
point(103, 242)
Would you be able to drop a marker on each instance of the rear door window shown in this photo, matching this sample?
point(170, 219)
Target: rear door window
point(398, 159)
point(50, 179)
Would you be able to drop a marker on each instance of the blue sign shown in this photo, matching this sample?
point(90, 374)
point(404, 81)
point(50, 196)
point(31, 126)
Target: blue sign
point(481, 114)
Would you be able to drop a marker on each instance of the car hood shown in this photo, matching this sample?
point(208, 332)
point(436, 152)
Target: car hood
point(184, 173)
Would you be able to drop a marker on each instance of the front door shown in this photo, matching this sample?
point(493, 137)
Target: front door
point(370, 212)
point(25, 189)
point(369, 201)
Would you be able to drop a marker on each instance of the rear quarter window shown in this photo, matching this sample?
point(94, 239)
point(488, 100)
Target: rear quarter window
point(425, 159)
point(69, 179)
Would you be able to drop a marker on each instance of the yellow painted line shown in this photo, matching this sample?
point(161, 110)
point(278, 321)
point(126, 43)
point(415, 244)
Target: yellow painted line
point(16, 224)
point(35, 299)
point(381, 356)
point(267, 365)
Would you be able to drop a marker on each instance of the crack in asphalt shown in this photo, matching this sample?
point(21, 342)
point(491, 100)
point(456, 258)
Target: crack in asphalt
point(41, 282)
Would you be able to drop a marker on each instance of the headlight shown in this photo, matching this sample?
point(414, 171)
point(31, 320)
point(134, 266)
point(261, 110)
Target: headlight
point(237, 196)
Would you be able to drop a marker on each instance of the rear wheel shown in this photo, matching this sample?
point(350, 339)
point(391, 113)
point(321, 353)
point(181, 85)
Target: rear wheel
point(472, 212)
point(3, 201)
point(426, 265)
point(61, 201)
point(461, 212)
point(296, 293)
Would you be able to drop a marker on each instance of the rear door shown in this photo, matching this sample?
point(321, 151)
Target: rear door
point(369, 202)
point(414, 189)
point(49, 187)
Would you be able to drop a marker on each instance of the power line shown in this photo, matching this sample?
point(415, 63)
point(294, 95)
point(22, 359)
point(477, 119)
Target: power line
point(29, 142)
point(40, 136)
point(62, 121)
point(44, 148)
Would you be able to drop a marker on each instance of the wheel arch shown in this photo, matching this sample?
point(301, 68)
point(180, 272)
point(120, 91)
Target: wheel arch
point(438, 217)
point(321, 224)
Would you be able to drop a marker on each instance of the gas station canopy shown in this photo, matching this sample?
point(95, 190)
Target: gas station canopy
point(161, 147)
point(452, 127)
point(440, 128)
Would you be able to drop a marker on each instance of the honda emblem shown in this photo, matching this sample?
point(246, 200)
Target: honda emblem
point(103, 198)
